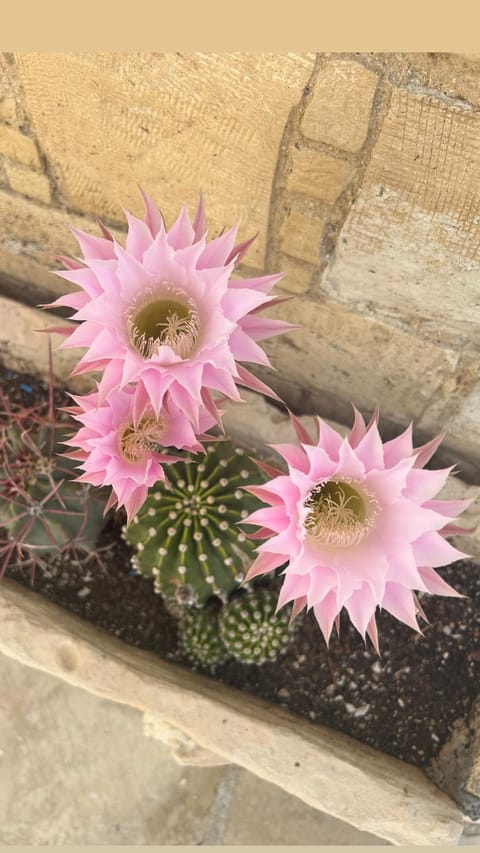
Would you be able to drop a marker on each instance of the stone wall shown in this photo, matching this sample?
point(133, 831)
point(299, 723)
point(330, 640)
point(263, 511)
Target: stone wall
point(360, 172)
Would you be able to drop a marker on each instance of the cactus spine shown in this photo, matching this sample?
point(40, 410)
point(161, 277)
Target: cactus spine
point(42, 510)
point(200, 638)
point(251, 630)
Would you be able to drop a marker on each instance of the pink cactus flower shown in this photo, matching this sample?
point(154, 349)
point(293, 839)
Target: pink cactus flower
point(127, 452)
point(164, 314)
point(357, 522)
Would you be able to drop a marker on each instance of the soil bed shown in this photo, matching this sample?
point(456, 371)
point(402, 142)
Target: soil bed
point(403, 703)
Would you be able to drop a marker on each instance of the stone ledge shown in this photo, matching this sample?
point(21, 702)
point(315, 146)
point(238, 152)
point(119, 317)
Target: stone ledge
point(183, 749)
point(327, 770)
point(23, 347)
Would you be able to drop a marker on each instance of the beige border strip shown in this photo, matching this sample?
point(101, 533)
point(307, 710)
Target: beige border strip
point(327, 770)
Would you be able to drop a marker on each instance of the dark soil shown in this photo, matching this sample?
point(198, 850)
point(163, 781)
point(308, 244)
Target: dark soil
point(403, 703)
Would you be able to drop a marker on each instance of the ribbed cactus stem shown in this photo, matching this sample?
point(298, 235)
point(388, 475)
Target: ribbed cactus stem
point(251, 630)
point(186, 534)
point(42, 509)
point(199, 636)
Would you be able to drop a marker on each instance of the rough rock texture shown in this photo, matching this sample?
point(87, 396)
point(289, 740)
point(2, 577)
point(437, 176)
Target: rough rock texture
point(105, 783)
point(24, 345)
point(360, 171)
point(457, 767)
point(372, 791)
point(75, 769)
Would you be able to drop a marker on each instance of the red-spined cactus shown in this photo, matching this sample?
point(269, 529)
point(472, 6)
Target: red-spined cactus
point(43, 511)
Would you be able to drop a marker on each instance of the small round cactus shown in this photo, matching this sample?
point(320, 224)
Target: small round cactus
point(251, 630)
point(43, 510)
point(186, 534)
point(200, 638)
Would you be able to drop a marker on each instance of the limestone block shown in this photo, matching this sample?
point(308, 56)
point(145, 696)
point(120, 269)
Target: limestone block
point(301, 233)
point(8, 110)
point(176, 123)
point(457, 766)
point(298, 275)
point(372, 791)
point(16, 146)
point(409, 247)
point(456, 408)
point(289, 822)
point(76, 770)
point(183, 749)
point(339, 355)
point(24, 347)
point(455, 75)
point(339, 112)
point(30, 184)
point(31, 237)
point(319, 175)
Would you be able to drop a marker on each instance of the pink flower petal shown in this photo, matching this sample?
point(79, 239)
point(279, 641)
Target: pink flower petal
point(400, 602)
point(181, 233)
point(398, 448)
point(325, 613)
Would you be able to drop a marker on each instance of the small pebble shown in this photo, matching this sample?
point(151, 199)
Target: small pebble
point(82, 593)
point(361, 711)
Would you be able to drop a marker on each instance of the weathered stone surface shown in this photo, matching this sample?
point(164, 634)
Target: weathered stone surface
point(298, 275)
point(454, 75)
point(463, 427)
point(372, 791)
point(29, 184)
point(183, 749)
point(339, 355)
point(31, 237)
point(104, 783)
point(456, 769)
point(24, 347)
point(8, 109)
point(265, 815)
point(410, 246)
point(19, 147)
point(339, 112)
point(77, 770)
point(174, 122)
point(318, 175)
point(301, 236)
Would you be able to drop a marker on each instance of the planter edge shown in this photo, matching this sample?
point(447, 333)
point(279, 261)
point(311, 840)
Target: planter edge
point(327, 770)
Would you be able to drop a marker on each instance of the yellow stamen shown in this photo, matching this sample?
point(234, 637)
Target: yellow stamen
point(135, 442)
point(339, 513)
point(163, 316)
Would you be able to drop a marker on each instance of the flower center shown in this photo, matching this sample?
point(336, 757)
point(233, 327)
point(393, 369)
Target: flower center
point(168, 318)
point(339, 514)
point(136, 441)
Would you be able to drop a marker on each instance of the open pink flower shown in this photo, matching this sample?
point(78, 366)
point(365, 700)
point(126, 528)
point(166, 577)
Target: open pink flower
point(357, 523)
point(164, 314)
point(115, 448)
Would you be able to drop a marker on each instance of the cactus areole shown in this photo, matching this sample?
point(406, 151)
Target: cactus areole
point(187, 536)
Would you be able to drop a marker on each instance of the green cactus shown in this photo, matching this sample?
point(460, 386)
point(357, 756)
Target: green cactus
point(250, 629)
point(200, 638)
point(42, 510)
point(186, 535)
